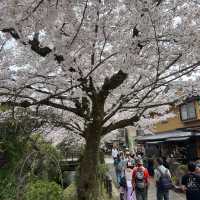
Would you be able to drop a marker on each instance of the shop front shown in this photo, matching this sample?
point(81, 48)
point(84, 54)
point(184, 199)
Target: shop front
point(177, 148)
point(181, 146)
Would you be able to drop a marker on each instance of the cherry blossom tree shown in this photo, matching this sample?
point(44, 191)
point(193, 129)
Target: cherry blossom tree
point(95, 66)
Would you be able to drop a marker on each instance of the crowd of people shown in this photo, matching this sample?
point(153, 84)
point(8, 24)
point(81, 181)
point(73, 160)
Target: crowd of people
point(133, 178)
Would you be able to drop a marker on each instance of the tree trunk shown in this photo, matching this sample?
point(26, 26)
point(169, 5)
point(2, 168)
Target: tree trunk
point(88, 187)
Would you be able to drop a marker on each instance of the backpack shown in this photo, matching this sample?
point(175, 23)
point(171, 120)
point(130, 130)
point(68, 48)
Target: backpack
point(122, 182)
point(139, 179)
point(164, 183)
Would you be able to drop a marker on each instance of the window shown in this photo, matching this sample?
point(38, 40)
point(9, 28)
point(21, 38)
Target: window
point(188, 111)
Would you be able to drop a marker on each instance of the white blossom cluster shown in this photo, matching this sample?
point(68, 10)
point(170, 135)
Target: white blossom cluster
point(56, 55)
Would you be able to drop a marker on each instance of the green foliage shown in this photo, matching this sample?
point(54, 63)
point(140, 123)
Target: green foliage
point(102, 170)
point(28, 158)
point(43, 190)
point(12, 147)
point(101, 157)
point(43, 146)
point(70, 192)
point(4, 108)
point(44, 160)
point(8, 188)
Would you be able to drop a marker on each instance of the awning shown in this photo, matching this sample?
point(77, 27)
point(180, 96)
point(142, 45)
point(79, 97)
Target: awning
point(177, 139)
point(164, 136)
point(155, 142)
point(197, 134)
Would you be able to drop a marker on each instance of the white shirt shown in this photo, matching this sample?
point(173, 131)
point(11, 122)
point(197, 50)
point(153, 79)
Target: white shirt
point(157, 173)
point(128, 174)
point(114, 153)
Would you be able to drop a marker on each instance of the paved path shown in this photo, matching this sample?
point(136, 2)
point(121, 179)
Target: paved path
point(152, 189)
point(152, 193)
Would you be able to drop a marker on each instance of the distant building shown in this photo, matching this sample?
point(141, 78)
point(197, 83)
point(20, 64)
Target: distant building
point(114, 138)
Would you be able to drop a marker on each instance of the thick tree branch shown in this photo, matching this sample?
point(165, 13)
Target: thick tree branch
point(148, 106)
point(48, 93)
point(69, 126)
point(12, 32)
point(120, 124)
point(112, 83)
point(17, 96)
point(26, 104)
point(35, 44)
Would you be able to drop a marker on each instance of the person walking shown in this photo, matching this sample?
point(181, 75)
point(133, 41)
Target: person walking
point(133, 162)
point(115, 152)
point(118, 168)
point(127, 156)
point(140, 181)
point(163, 180)
point(130, 162)
point(191, 183)
point(123, 188)
point(129, 193)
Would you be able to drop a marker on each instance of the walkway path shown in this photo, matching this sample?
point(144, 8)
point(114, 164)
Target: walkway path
point(152, 189)
point(152, 193)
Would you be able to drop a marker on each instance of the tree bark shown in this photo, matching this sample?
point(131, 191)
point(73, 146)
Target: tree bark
point(88, 187)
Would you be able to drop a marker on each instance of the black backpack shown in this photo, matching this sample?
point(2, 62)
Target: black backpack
point(122, 182)
point(164, 183)
point(139, 179)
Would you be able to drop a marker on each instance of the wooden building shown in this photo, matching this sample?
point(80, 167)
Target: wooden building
point(179, 136)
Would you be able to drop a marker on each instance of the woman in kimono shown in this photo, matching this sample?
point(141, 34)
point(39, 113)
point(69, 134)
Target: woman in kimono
point(129, 193)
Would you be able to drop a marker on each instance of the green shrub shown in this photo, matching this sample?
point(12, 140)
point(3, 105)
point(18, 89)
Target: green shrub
point(70, 192)
point(43, 190)
point(44, 160)
point(8, 188)
point(102, 170)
